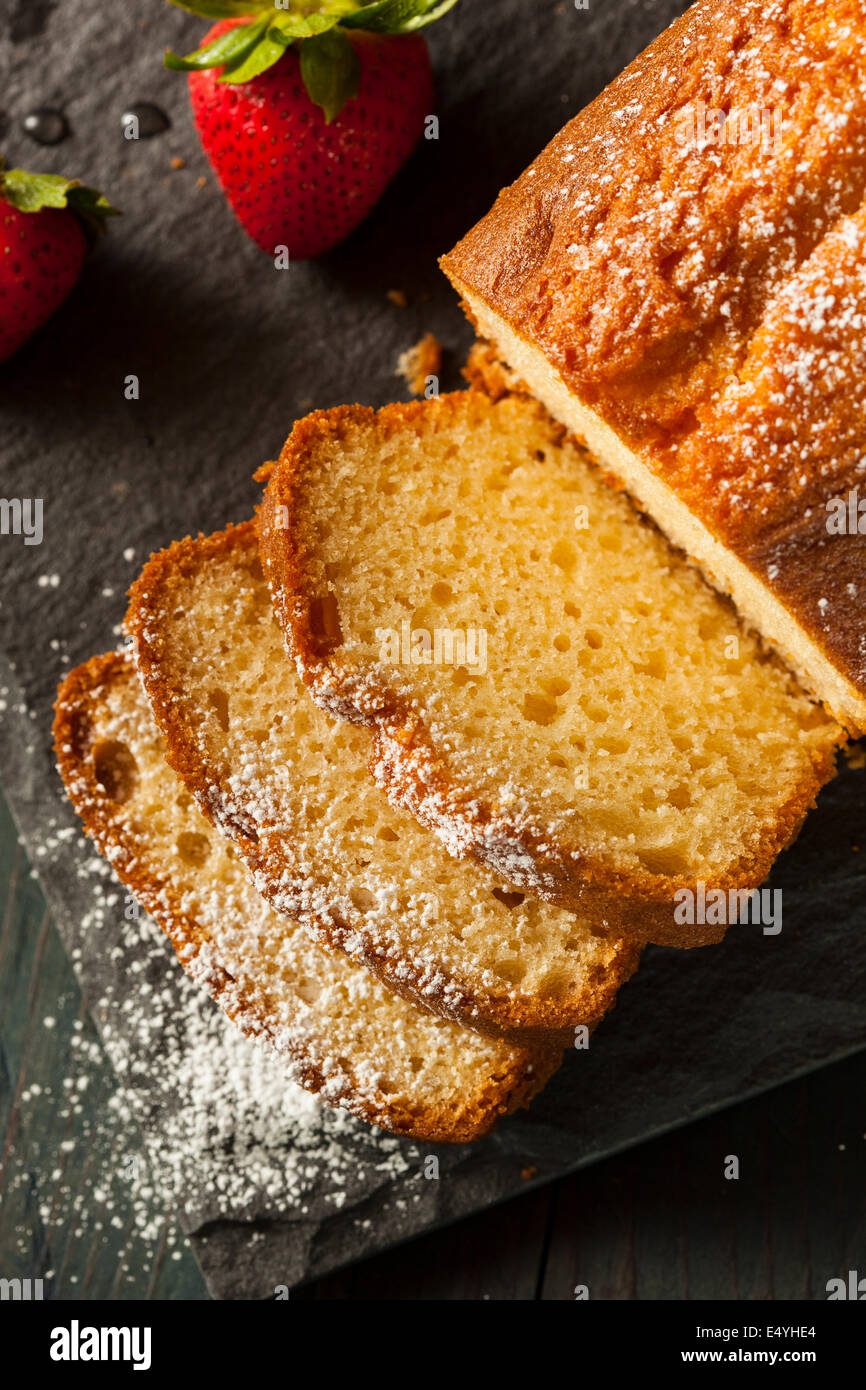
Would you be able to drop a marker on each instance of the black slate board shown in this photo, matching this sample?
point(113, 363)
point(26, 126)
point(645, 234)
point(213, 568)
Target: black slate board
point(229, 352)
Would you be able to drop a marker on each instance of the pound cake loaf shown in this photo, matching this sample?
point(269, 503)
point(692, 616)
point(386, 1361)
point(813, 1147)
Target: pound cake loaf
point(341, 1034)
point(292, 789)
point(680, 277)
point(553, 689)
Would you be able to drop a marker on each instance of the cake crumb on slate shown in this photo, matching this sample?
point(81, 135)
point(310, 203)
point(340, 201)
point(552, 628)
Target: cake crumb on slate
point(419, 362)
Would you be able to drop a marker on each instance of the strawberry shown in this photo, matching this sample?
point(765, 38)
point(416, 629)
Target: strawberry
point(306, 115)
point(44, 224)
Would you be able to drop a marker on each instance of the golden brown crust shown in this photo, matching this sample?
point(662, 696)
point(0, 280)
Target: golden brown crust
point(706, 300)
point(410, 769)
point(483, 1007)
point(516, 1074)
point(485, 371)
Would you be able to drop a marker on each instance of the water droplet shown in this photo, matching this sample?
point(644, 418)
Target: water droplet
point(144, 120)
point(46, 126)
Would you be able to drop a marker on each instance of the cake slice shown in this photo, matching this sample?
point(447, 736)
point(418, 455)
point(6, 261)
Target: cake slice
point(553, 689)
point(291, 788)
point(341, 1034)
point(680, 276)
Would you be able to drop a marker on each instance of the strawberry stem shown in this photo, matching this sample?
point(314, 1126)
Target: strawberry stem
point(329, 66)
point(30, 192)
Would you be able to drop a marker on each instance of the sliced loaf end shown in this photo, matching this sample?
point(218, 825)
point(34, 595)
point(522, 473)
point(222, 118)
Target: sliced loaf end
point(341, 1035)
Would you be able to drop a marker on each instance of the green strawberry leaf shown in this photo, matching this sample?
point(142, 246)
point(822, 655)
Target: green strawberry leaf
point(285, 29)
point(258, 59)
point(32, 192)
point(330, 70)
point(249, 49)
point(396, 16)
point(430, 14)
point(270, 45)
point(257, 9)
point(221, 9)
point(231, 47)
point(252, 48)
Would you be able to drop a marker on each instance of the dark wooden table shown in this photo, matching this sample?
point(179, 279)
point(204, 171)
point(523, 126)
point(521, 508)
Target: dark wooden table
point(661, 1221)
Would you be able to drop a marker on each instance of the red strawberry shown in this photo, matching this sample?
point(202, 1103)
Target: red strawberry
point(306, 118)
point(43, 243)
